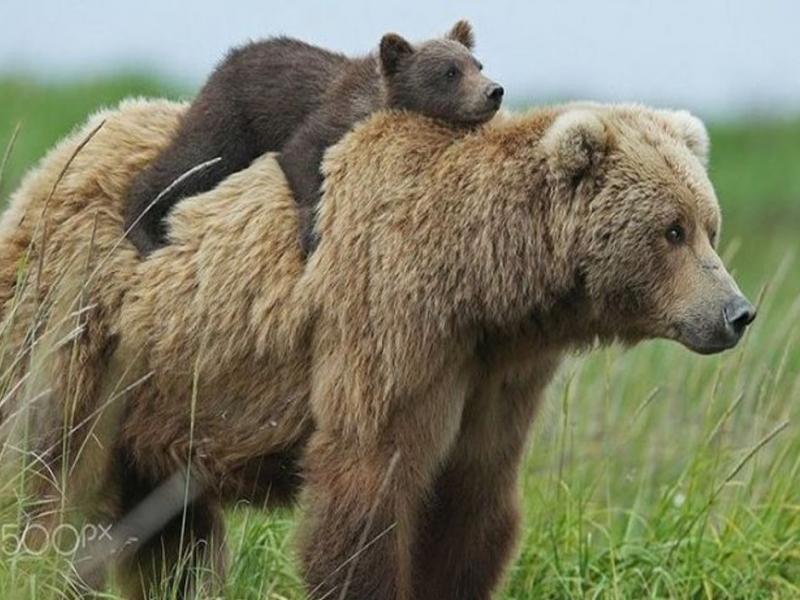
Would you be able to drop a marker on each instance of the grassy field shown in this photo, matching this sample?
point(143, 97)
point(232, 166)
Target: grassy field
point(652, 473)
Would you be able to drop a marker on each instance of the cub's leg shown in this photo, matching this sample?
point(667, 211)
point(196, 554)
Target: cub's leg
point(207, 132)
point(301, 160)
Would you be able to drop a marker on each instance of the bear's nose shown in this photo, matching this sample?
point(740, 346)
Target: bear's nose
point(495, 92)
point(739, 313)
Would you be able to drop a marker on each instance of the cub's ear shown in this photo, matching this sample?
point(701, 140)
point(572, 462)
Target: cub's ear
point(462, 33)
point(691, 130)
point(394, 49)
point(575, 142)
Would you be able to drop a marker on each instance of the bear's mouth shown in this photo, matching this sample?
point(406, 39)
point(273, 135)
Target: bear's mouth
point(705, 340)
point(482, 116)
point(708, 350)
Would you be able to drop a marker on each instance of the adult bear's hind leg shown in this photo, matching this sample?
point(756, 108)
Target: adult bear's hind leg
point(184, 558)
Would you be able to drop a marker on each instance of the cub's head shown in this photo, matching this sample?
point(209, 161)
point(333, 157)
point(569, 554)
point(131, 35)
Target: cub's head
point(646, 246)
point(440, 78)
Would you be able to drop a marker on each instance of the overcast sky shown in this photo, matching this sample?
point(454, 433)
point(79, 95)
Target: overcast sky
point(712, 56)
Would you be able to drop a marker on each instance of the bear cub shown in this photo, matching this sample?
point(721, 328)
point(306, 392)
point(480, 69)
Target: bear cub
point(283, 95)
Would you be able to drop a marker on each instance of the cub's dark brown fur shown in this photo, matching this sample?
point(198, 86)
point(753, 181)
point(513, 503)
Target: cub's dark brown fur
point(285, 95)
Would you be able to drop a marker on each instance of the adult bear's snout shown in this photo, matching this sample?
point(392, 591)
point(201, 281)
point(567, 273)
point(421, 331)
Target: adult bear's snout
point(717, 313)
point(722, 329)
point(738, 314)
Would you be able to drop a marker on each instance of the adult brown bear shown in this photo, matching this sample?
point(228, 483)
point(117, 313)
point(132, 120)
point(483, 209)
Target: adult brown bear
point(402, 365)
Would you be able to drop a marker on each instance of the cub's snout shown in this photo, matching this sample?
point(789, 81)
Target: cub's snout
point(494, 93)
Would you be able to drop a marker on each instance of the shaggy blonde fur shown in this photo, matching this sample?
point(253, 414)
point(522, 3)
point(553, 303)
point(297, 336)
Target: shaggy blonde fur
point(396, 375)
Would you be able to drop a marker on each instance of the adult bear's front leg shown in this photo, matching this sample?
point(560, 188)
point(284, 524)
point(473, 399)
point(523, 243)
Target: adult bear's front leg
point(470, 529)
point(363, 499)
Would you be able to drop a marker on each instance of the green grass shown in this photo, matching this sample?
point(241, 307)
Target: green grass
point(754, 166)
point(652, 472)
point(46, 113)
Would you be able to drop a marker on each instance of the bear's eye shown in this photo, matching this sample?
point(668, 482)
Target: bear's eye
point(676, 234)
point(480, 66)
point(451, 73)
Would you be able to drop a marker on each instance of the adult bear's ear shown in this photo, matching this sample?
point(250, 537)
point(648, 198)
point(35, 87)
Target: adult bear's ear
point(690, 130)
point(462, 33)
point(394, 49)
point(576, 142)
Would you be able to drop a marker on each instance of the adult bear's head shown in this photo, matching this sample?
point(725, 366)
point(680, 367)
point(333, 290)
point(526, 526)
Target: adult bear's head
point(646, 249)
point(572, 223)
